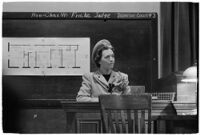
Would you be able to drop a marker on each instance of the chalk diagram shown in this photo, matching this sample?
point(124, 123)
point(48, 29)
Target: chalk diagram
point(43, 56)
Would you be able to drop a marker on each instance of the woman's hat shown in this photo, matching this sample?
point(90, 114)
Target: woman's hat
point(98, 46)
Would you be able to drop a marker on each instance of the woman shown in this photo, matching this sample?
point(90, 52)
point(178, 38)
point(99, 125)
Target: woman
point(104, 80)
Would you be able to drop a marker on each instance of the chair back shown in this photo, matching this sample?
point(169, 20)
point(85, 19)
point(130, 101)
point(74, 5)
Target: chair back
point(125, 113)
point(136, 89)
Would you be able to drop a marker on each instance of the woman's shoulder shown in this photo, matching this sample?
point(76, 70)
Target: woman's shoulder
point(96, 73)
point(120, 73)
point(89, 74)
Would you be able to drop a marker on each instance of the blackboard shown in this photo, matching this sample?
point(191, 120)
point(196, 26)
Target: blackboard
point(133, 35)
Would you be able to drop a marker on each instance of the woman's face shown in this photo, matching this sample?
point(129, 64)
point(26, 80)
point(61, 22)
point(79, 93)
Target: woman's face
point(107, 59)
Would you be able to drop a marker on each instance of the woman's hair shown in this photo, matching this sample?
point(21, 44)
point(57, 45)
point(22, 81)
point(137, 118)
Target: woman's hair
point(99, 47)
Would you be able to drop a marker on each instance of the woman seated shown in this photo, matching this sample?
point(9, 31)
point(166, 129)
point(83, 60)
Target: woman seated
point(104, 80)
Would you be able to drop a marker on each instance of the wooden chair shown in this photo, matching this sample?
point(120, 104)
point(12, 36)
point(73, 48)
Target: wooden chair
point(136, 89)
point(125, 113)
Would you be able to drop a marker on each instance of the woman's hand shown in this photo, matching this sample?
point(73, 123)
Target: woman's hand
point(120, 83)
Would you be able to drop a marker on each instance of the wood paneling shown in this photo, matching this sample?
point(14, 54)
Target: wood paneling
point(36, 121)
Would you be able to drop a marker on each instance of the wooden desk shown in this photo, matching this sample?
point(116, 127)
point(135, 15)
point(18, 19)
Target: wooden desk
point(84, 117)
